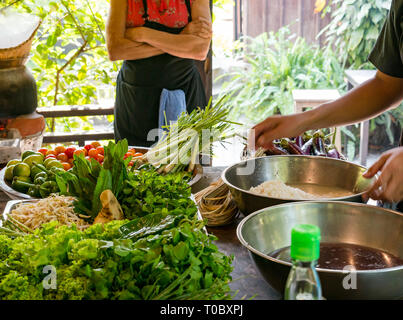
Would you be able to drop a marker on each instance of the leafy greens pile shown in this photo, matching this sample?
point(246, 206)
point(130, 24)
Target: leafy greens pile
point(148, 192)
point(168, 258)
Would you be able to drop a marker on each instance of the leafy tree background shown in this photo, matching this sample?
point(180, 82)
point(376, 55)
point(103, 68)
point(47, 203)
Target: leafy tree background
point(68, 56)
point(354, 28)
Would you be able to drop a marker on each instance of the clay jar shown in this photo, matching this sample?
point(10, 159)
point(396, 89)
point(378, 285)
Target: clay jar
point(18, 93)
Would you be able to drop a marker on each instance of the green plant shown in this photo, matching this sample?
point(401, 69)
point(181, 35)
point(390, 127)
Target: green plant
point(274, 65)
point(352, 32)
point(177, 262)
point(354, 28)
point(68, 55)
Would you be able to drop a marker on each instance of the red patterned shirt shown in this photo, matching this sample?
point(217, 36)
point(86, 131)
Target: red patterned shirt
point(170, 13)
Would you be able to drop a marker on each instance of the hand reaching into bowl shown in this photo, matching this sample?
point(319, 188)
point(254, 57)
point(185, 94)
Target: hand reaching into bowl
point(389, 186)
point(264, 133)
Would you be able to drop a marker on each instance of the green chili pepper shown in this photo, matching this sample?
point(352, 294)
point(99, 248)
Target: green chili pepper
point(41, 174)
point(39, 180)
point(21, 186)
point(40, 166)
point(47, 188)
point(34, 192)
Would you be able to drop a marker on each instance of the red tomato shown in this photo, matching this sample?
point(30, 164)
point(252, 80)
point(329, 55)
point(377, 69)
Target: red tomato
point(49, 152)
point(80, 151)
point(71, 161)
point(70, 151)
point(100, 158)
point(93, 153)
point(43, 151)
point(100, 150)
point(88, 147)
point(95, 144)
point(137, 154)
point(62, 157)
point(66, 165)
point(131, 163)
point(60, 149)
point(128, 154)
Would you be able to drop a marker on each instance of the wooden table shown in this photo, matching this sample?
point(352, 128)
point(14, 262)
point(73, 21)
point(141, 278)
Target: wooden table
point(246, 278)
point(355, 78)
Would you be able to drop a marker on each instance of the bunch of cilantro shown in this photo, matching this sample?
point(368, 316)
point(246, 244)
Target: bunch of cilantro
point(175, 260)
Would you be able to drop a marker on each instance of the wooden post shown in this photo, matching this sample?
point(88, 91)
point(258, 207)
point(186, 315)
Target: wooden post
point(306, 99)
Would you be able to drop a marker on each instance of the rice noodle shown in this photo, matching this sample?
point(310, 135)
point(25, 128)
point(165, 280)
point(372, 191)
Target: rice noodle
point(59, 208)
point(278, 189)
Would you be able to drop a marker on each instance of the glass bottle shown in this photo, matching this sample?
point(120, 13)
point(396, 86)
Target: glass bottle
point(303, 281)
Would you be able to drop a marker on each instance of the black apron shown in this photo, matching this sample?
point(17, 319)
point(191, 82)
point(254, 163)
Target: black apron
point(140, 83)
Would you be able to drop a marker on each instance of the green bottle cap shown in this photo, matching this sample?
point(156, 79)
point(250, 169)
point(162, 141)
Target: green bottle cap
point(305, 242)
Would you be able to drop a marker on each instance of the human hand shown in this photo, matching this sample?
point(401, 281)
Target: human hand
point(275, 127)
point(389, 185)
point(201, 27)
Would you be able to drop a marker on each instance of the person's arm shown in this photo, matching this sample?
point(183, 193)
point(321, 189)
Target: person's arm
point(183, 45)
point(119, 47)
point(366, 101)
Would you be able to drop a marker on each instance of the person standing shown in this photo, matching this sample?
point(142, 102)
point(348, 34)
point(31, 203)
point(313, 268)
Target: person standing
point(158, 41)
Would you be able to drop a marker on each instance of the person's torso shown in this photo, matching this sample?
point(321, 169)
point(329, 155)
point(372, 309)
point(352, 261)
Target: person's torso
point(397, 10)
point(170, 13)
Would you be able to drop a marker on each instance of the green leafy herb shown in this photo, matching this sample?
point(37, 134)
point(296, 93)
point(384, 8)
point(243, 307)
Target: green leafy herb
point(174, 263)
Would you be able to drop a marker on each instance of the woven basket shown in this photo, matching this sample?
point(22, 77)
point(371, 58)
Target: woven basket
point(17, 56)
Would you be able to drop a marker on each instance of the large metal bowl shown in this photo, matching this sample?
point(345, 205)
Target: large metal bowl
point(269, 229)
point(321, 171)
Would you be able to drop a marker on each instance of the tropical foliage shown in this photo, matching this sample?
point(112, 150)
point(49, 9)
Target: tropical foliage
point(274, 65)
point(354, 28)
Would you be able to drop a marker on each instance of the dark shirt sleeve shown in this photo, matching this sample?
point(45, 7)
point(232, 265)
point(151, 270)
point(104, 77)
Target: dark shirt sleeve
point(387, 54)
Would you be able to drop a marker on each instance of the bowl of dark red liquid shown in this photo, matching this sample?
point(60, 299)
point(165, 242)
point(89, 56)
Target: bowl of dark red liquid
point(361, 252)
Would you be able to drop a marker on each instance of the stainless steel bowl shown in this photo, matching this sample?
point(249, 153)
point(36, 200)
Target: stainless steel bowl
point(6, 188)
point(269, 229)
point(321, 171)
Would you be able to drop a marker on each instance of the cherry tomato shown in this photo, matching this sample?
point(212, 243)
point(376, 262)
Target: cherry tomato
point(80, 151)
point(100, 150)
point(43, 151)
point(70, 151)
point(93, 153)
point(88, 147)
point(100, 158)
point(128, 154)
point(49, 152)
point(131, 163)
point(60, 149)
point(137, 154)
point(66, 165)
point(62, 157)
point(95, 144)
point(71, 161)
